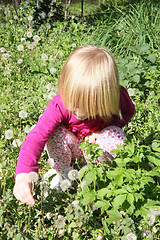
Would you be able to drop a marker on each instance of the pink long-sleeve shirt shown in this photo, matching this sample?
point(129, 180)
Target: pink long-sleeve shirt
point(56, 114)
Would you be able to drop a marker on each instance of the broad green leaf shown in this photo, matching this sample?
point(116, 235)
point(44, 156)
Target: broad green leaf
point(72, 225)
point(91, 176)
point(104, 191)
point(136, 78)
point(119, 200)
point(113, 215)
point(88, 198)
point(158, 127)
point(119, 180)
point(151, 58)
point(154, 160)
point(156, 146)
point(102, 205)
point(120, 191)
point(130, 198)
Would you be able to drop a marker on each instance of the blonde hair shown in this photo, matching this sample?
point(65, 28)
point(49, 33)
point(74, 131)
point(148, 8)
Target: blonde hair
point(89, 82)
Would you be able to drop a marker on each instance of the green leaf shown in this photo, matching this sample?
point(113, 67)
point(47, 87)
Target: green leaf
point(119, 180)
point(91, 176)
point(120, 191)
point(104, 191)
point(102, 205)
point(119, 200)
point(130, 198)
point(151, 58)
point(156, 145)
point(154, 160)
point(158, 127)
point(72, 225)
point(136, 78)
point(88, 198)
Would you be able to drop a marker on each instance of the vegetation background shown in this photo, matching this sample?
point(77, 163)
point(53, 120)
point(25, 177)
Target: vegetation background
point(113, 201)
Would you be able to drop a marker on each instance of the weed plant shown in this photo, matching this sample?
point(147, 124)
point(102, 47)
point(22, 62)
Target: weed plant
point(106, 201)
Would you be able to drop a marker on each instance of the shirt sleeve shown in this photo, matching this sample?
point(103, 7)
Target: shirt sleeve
point(33, 146)
point(127, 108)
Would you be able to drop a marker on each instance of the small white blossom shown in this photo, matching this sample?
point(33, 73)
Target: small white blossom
point(100, 236)
point(44, 57)
point(59, 223)
point(32, 177)
point(51, 95)
point(16, 143)
point(23, 39)
point(51, 58)
point(23, 114)
point(131, 92)
point(73, 174)
point(2, 49)
point(27, 129)
point(65, 184)
point(61, 232)
point(51, 162)
point(155, 211)
point(74, 45)
point(8, 134)
point(43, 15)
point(154, 229)
point(15, 17)
point(49, 86)
point(150, 219)
point(75, 204)
point(20, 61)
point(45, 96)
point(30, 18)
point(33, 127)
point(53, 70)
point(131, 236)
point(49, 215)
point(49, 174)
point(36, 38)
point(29, 34)
point(20, 47)
point(48, 26)
point(30, 46)
point(5, 56)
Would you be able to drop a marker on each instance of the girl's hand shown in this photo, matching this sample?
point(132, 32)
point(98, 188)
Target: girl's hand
point(23, 189)
point(92, 137)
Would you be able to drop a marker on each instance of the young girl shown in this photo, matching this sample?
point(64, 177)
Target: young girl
point(90, 105)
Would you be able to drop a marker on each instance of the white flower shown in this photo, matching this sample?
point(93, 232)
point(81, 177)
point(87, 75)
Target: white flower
point(20, 61)
point(49, 174)
point(49, 215)
point(23, 39)
point(131, 236)
point(20, 47)
point(131, 92)
point(61, 232)
point(51, 162)
point(100, 236)
point(23, 114)
point(155, 211)
point(32, 177)
point(2, 49)
point(45, 96)
point(53, 70)
point(65, 184)
point(29, 34)
point(15, 17)
point(5, 56)
point(44, 57)
point(43, 15)
point(74, 45)
point(51, 95)
point(49, 86)
point(75, 204)
point(16, 143)
point(150, 219)
point(59, 223)
point(73, 174)
point(30, 18)
point(8, 134)
point(30, 46)
point(154, 229)
point(36, 38)
point(27, 129)
point(51, 58)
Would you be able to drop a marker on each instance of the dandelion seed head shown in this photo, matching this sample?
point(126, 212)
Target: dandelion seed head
point(23, 39)
point(75, 204)
point(61, 232)
point(32, 177)
point(15, 17)
point(59, 223)
point(65, 184)
point(16, 143)
point(150, 219)
point(20, 61)
point(2, 49)
point(44, 57)
point(30, 46)
point(8, 134)
point(36, 38)
point(48, 174)
point(73, 174)
point(131, 92)
point(5, 56)
point(29, 34)
point(20, 47)
point(30, 18)
point(155, 211)
point(53, 70)
point(49, 215)
point(131, 236)
point(23, 114)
